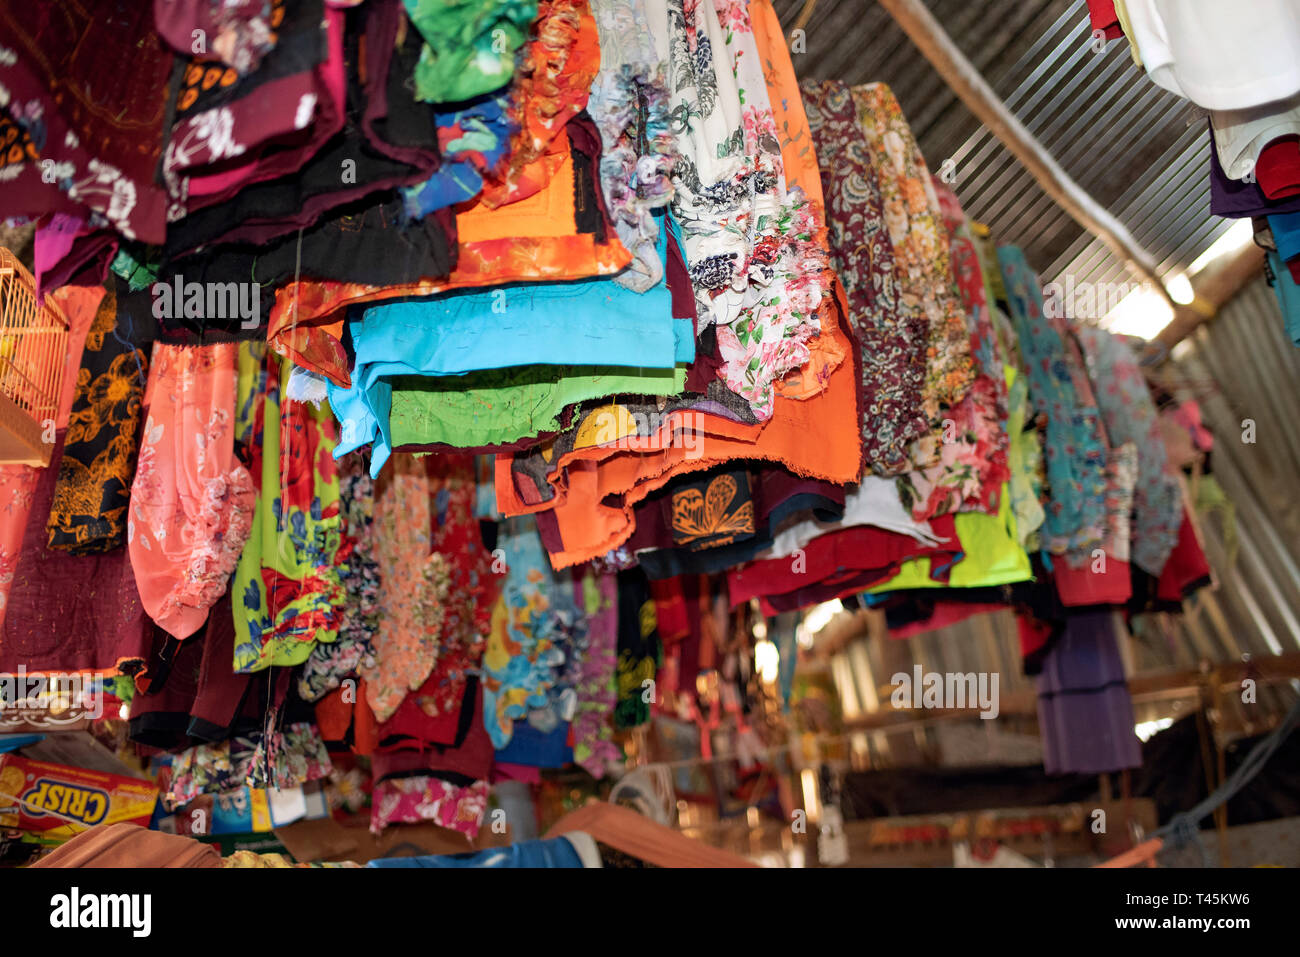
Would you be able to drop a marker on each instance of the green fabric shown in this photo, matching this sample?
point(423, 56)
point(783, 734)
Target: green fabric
point(1025, 459)
point(296, 525)
point(993, 555)
point(469, 45)
point(137, 273)
point(496, 406)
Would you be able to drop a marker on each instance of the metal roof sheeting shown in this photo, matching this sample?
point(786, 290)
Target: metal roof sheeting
point(1140, 151)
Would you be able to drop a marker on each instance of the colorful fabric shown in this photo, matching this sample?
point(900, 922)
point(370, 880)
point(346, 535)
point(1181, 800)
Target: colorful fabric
point(1075, 450)
point(529, 626)
point(89, 512)
point(1130, 416)
point(287, 591)
point(329, 664)
point(192, 502)
point(551, 83)
point(472, 140)
point(535, 239)
point(412, 800)
point(472, 588)
point(749, 244)
point(629, 105)
point(915, 223)
point(469, 46)
point(777, 311)
point(891, 329)
point(597, 692)
point(97, 128)
point(295, 756)
point(971, 445)
point(413, 587)
point(238, 33)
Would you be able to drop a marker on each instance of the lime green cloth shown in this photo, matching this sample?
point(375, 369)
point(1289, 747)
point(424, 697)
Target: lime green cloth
point(497, 406)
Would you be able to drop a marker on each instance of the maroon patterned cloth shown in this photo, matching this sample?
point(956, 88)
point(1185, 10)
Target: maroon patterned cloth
point(96, 122)
point(71, 612)
point(891, 336)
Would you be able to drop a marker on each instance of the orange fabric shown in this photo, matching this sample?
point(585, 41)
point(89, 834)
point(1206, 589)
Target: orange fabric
point(334, 716)
point(306, 321)
point(547, 213)
point(797, 154)
point(130, 845)
point(634, 834)
point(816, 437)
point(551, 86)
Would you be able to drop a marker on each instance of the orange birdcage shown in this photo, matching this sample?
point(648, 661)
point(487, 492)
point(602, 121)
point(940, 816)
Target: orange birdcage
point(33, 346)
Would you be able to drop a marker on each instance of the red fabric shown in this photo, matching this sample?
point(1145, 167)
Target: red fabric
point(670, 609)
point(1103, 17)
point(472, 757)
point(1278, 168)
point(945, 613)
point(1186, 568)
point(836, 564)
point(1294, 268)
point(1034, 635)
point(1083, 586)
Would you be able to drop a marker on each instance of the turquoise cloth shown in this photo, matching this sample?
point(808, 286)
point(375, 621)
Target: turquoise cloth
point(1075, 444)
point(593, 322)
point(1288, 296)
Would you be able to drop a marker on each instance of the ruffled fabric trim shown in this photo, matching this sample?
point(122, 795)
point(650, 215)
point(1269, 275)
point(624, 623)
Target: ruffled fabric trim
point(630, 108)
point(551, 87)
point(222, 526)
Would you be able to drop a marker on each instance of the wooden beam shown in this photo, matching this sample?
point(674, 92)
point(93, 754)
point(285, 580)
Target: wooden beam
point(1219, 281)
point(973, 90)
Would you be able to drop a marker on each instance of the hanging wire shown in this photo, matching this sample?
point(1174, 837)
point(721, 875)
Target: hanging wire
point(1184, 828)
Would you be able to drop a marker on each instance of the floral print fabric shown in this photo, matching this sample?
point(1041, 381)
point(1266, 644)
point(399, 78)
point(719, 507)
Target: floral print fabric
point(529, 628)
point(192, 502)
point(920, 242)
point(629, 104)
point(413, 587)
point(1130, 416)
point(89, 512)
point(410, 800)
point(101, 136)
point(597, 662)
point(971, 446)
point(472, 588)
point(287, 592)
point(750, 245)
point(329, 664)
point(891, 329)
point(1075, 452)
point(296, 756)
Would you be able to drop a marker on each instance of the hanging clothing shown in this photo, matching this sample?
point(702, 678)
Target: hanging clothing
point(191, 501)
point(287, 592)
point(89, 510)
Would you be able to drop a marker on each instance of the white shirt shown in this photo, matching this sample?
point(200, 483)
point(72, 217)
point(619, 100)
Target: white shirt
point(1220, 54)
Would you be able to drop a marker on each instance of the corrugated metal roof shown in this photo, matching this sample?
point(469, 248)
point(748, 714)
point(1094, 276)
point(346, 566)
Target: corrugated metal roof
point(1140, 151)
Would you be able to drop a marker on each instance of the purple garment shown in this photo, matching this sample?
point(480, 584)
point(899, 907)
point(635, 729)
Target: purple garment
point(1085, 714)
point(1235, 199)
point(64, 245)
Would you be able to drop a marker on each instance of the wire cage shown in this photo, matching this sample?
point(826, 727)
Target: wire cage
point(33, 346)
